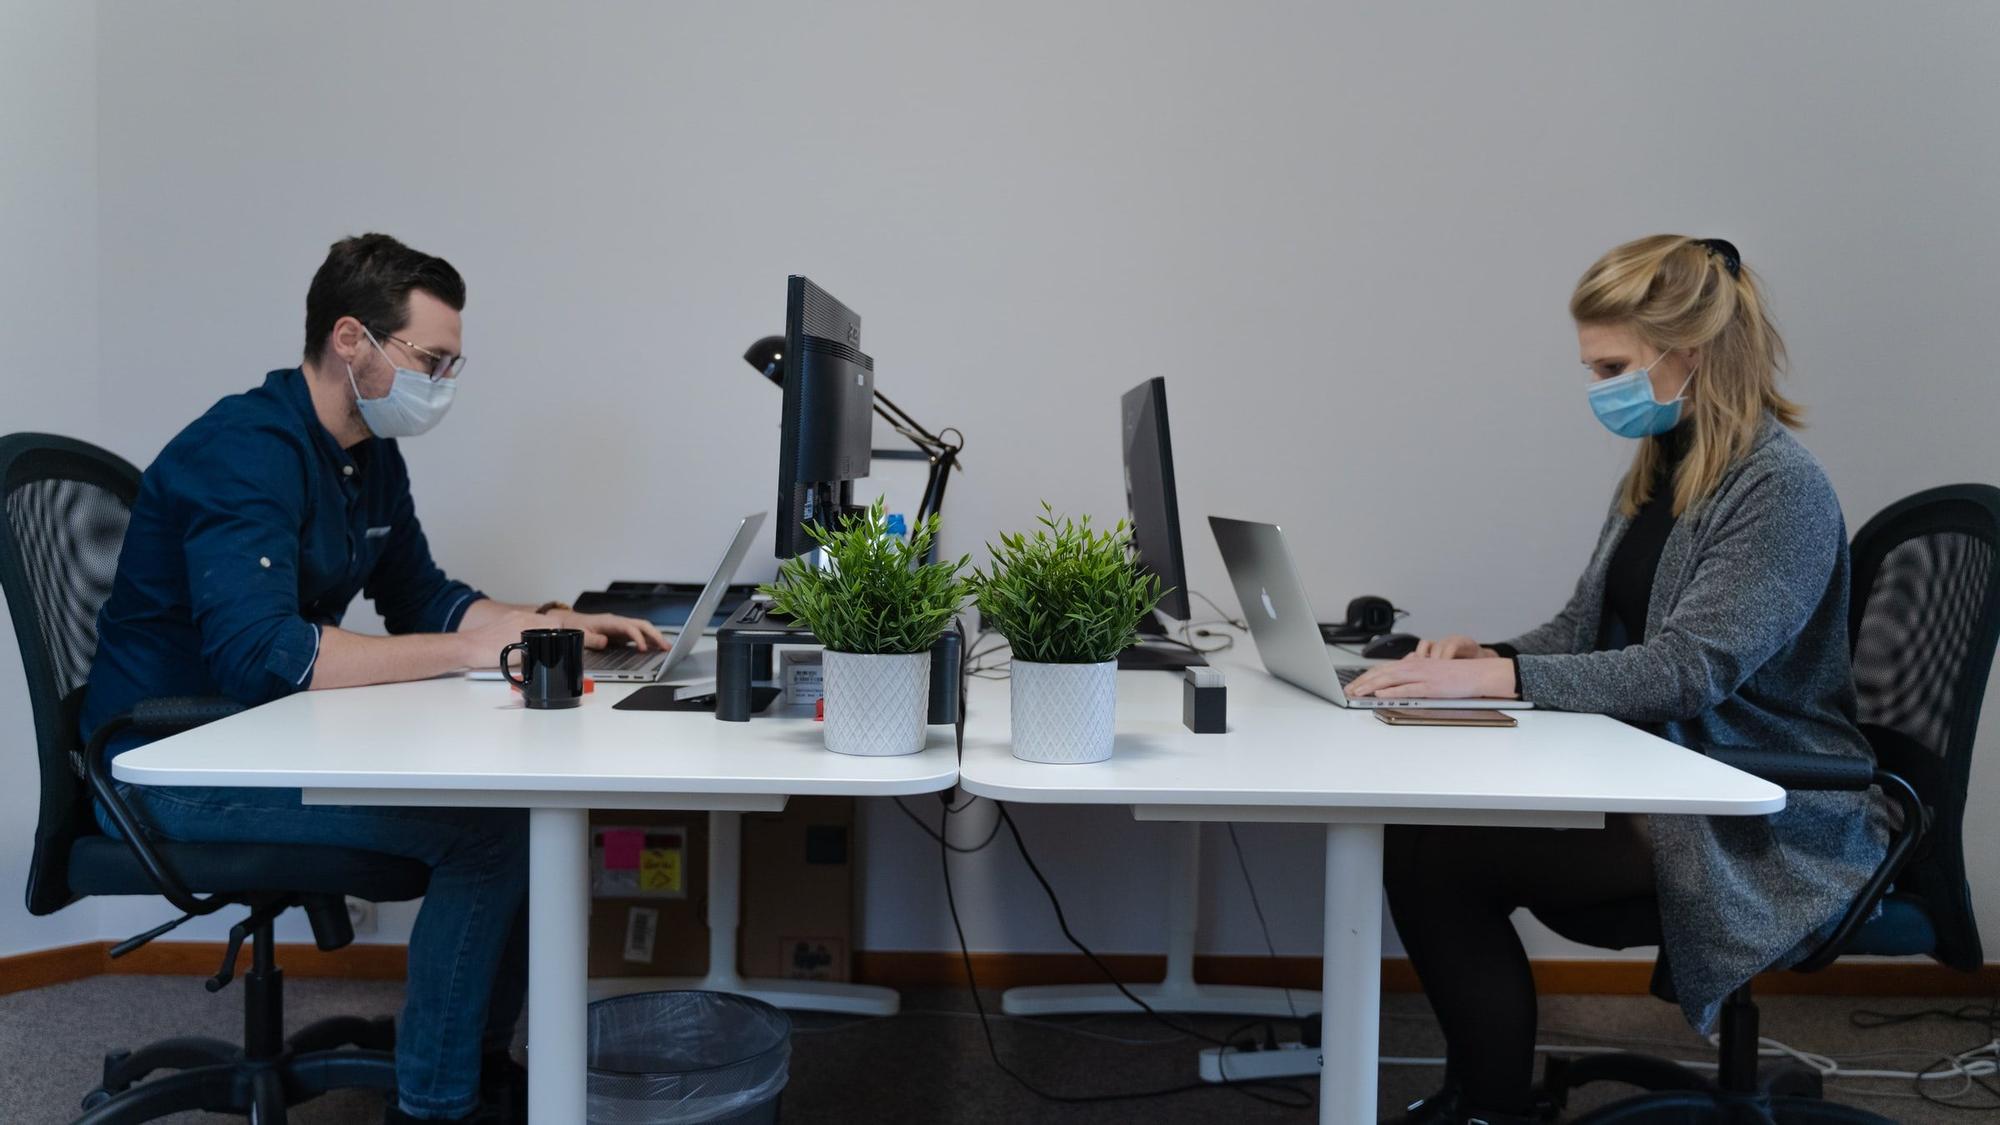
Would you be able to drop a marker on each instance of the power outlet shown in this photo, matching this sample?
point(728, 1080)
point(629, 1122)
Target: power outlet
point(361, 915)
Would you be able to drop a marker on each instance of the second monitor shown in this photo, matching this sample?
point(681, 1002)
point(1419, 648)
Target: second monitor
point(827, 424)
point(1154, 510)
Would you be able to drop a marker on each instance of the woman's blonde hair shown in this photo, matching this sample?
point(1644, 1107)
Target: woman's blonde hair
point(1680, 292)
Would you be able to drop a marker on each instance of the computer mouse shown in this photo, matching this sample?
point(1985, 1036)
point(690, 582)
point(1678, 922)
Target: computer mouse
point(1391, 646)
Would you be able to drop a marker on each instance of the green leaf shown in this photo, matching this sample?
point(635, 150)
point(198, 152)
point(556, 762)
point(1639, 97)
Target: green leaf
point(876, 595)
point(1068, 594)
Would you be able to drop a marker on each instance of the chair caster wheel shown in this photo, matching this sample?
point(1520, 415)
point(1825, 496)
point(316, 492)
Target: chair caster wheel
point(114, 1061)
point(96, 1098)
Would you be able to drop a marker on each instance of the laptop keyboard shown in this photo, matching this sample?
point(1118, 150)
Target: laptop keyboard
point(622, 658)
point(1347, 673)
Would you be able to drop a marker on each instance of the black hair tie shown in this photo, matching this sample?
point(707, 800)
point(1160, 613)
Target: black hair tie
point(1726, 250)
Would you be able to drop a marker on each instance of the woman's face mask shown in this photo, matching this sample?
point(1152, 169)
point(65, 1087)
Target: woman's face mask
point(1625, 403)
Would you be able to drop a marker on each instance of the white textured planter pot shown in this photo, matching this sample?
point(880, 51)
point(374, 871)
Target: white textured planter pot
point(1063, 712)
point(876, 706)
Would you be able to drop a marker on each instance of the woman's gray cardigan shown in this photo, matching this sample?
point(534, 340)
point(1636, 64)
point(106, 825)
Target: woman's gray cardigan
point(1746, 647)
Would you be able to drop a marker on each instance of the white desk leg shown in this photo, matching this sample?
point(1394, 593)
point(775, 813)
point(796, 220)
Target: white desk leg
point(725, 900)
point(1350, 1021)
point(558, 935)
point(725, 911)
point(1177, 991)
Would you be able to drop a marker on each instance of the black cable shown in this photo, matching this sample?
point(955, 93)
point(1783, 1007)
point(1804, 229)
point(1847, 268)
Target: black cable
point(1985, 1016)
point(1232, 622)
point(975, 654)
point(1228, 642)
point(989, 650)
point(1244, 866)
point(1063, 923)
point(1917, 1084)
point(993, 1049)
point(939, 836)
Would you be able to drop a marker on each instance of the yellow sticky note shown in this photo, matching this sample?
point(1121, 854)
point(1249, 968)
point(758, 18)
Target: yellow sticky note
point(660, 870)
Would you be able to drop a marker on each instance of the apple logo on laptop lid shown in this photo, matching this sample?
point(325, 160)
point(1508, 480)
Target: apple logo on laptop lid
point(1268, 607)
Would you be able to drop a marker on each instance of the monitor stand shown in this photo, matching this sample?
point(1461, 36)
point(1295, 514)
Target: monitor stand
point(1159, 656)
point(1156, 652)
point(1177, 990)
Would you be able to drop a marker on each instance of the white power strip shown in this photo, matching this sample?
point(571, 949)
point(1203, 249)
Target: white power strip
point(1296, 1060)
point(1233, 1064)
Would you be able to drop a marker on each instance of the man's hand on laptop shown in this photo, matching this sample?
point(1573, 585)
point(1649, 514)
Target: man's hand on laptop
point(481, 646)
point(603, 629)
point(1424, 677)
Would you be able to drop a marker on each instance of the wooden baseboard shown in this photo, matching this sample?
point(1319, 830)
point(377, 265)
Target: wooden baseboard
point(194, 958)
point(924, 969)
point(52, 966)
point(929, 969)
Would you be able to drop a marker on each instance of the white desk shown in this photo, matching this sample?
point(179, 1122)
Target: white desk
point(1292, 757)
point(454, 742)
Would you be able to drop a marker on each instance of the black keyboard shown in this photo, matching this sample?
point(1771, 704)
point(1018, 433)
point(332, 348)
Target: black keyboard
point(1347, 673)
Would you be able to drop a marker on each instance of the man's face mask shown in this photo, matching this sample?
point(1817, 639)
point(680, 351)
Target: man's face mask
point(415, 402)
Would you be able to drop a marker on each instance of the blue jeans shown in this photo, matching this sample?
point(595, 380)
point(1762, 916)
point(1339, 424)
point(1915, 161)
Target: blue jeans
point(468, 970)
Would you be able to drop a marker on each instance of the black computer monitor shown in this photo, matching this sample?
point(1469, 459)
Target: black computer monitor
point(1156, 522)
point(827, 422)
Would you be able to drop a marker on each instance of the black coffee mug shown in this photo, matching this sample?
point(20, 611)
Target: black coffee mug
point(551, 668)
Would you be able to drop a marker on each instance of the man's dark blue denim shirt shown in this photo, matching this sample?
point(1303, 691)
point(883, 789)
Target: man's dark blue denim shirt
point(252, 530)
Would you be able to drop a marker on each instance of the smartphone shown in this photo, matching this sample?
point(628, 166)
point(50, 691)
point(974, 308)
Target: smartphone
point(1444, 717)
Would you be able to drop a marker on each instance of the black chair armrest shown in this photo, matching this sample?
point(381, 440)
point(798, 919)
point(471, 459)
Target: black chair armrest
point(1903, 841)
point(1822, 773)
point(1795, 770)
point(182, 712)
point(167, 714)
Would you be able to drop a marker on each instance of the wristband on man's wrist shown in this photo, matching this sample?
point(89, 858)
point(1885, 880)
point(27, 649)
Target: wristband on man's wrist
point(552, 607)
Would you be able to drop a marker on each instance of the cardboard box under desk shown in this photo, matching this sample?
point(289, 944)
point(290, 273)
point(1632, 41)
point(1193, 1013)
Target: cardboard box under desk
point(798, 891)
point(648, 910)
point(649, 892)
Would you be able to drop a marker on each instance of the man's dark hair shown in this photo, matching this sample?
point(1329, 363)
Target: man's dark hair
point(369, 277)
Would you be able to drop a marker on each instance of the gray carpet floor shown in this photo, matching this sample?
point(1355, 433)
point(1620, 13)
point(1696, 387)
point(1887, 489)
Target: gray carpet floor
point(930, 1066)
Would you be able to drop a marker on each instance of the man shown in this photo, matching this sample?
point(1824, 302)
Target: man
point(252, 532)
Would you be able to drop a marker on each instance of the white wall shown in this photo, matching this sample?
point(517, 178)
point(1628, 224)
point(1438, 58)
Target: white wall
point(48, 334)
point(1346, 238)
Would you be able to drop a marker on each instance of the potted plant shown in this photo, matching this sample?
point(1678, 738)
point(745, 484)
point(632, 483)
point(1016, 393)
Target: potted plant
point(878, 608)
point(1069, 600)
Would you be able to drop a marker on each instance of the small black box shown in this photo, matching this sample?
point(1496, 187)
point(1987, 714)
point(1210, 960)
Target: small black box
point(1202, 708)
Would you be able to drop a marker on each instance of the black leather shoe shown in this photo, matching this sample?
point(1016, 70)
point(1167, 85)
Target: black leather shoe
point(503, 1085)
point(1447, 1107)
point(393, 1115)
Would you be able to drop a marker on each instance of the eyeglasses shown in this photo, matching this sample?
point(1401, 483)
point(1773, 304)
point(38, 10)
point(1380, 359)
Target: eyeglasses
point(442, 366)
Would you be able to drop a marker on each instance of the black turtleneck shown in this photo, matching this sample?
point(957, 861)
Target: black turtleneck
point(1628, 580)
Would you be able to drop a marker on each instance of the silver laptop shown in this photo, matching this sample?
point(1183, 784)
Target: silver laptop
point(1282, 622)
point(624, 664)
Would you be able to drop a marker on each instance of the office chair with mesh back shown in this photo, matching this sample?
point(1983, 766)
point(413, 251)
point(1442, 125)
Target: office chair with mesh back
point(1922, 626)
point(67, 505)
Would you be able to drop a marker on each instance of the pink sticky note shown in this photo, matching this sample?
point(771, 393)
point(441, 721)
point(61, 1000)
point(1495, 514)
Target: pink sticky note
point(622, 847)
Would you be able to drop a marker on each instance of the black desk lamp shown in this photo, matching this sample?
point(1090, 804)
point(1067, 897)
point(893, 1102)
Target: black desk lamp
point(768, 357)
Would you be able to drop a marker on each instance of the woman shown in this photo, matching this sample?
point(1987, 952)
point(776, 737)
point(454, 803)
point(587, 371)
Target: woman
point(1713, 612)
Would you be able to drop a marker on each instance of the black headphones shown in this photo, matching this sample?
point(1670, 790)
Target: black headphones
point(1368, 617)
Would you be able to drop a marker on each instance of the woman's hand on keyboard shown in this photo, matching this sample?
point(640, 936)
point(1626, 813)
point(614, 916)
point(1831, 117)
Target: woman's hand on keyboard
point(1454, 647)
point(1430, 678)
